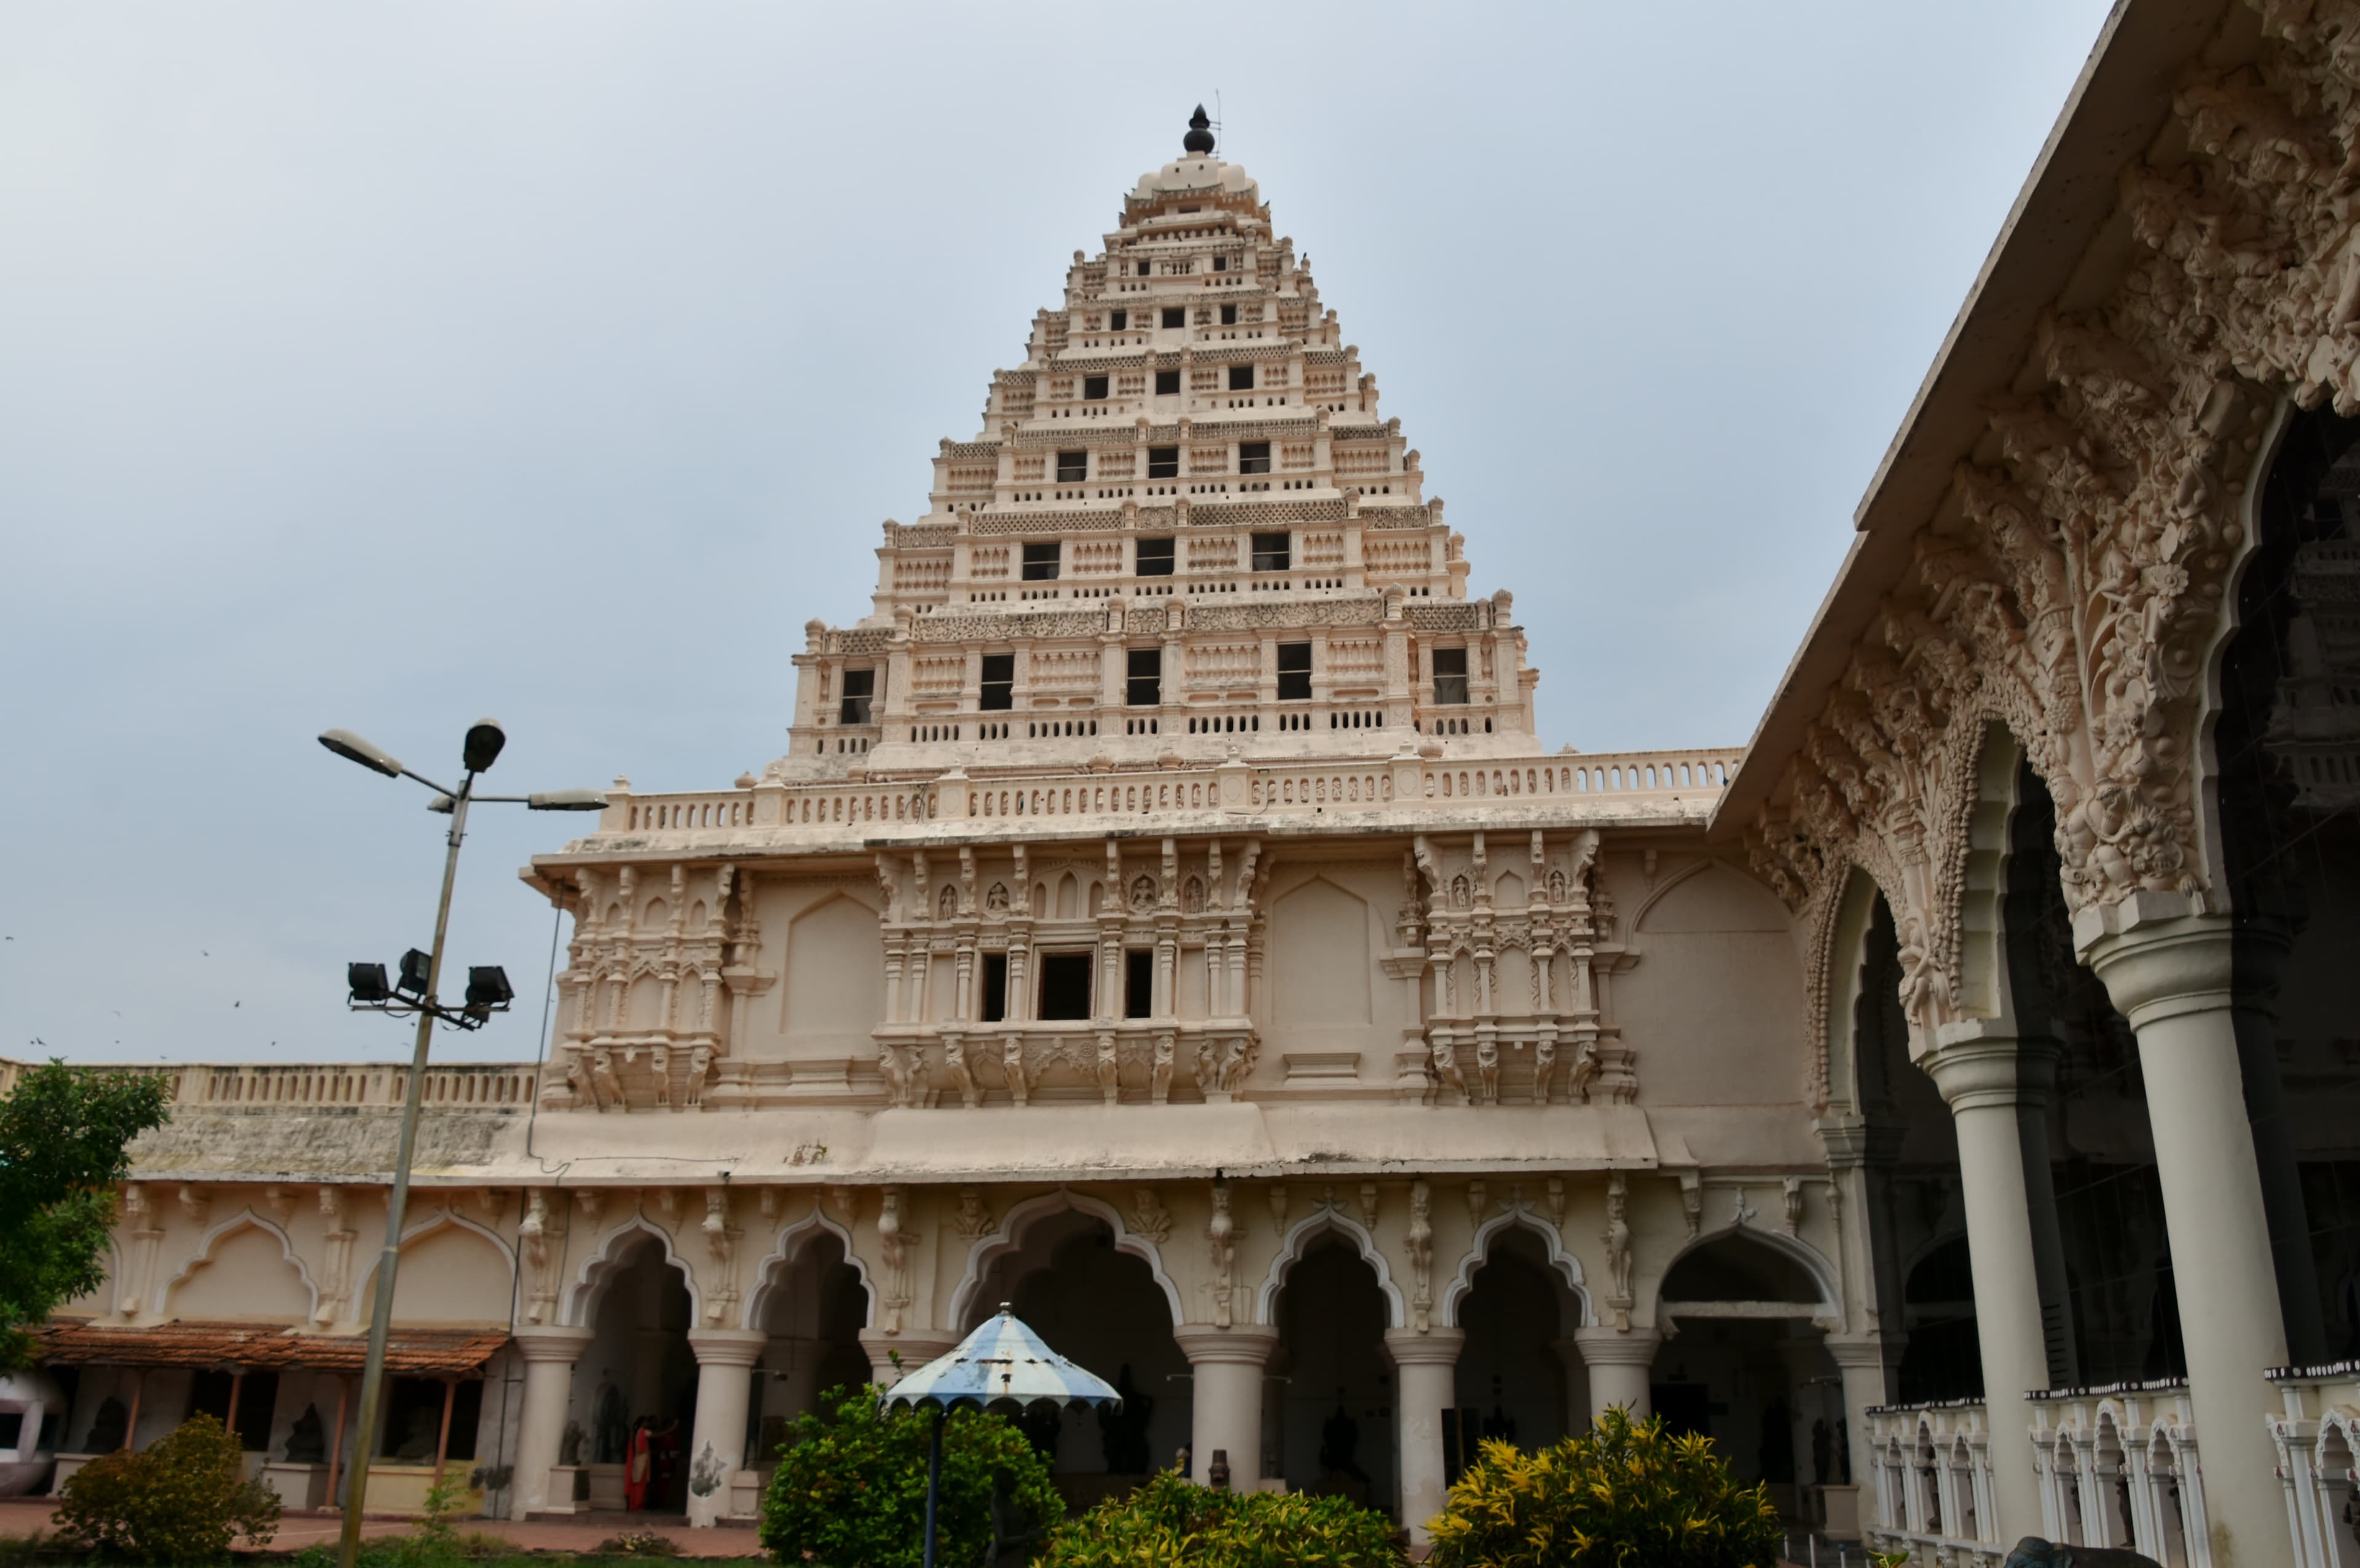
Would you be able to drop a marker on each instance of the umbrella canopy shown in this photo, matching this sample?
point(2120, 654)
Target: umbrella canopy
point(1003, 1360)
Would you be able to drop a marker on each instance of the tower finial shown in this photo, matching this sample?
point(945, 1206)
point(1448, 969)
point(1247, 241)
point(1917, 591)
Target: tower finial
point(1199, 138)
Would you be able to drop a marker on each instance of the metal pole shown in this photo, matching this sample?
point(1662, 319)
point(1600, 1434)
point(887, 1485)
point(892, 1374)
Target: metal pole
point(933, 1482)
point(348, 1552)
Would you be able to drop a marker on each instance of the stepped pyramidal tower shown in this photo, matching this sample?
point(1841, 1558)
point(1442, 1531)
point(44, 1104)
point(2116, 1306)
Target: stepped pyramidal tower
point(1186, 532)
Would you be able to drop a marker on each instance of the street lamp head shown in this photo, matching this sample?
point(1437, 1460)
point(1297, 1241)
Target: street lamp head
point(346, 745)
point(567, 800)
point(416, 969)
point(484, 738)
point(367, 982)
point(487, 987)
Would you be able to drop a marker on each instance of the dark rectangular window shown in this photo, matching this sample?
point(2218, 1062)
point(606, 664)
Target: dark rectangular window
point(995, 987)
point(1222, 264)
point(1072, 467)
point(1228, 315)
point(1094, 388)
point(258, 1400)
point(860, 687)
point(1117, 320)
point(1241, 380)
point(1138, 983)
point(1253, 457)
point(999, 683)
point(1144, 685)
point(413, 1419)
point(1271, 553)
point(1041, 561)
point(1176, 315)
point(1451, 675)
point(1294, 672)
point(1168, 383)
point(1144, 268)
point(1155, 557)
point(1066, 985)
point(1163, 462)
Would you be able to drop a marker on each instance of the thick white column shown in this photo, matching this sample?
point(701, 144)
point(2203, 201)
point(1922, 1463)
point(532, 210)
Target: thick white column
point(717, 1448)
point(1227, 1405)
point(1976, 1071)
point(914, 1347)
point(548, 1357)
point(1576, 1385)
point(2171, 979)
point(1426, 1383)
point(1619, 1363)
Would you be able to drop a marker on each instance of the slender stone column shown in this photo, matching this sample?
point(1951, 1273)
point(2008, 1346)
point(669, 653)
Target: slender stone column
point(916, 1347)
point(1227, 1405)
point(548, 1357)
point(1619, 1363)
point(1868, 1366)
point(2171, 980)
point(717, 1448)
point(1576, 1385)
point(1977, 1072)
point(1425, 1384)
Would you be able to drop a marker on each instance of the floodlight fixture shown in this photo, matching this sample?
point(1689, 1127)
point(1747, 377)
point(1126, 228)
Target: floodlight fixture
point(367, 983)
point(443, 803)
point(487, 988)
point(484, 739)
point(416, 968)
point(350, 747)
point(567, 800)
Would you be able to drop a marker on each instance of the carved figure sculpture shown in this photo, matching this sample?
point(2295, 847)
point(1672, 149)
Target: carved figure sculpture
point(1618, 1248)
point(1221, 1232)
point(1421, 1254)
point(307, 1440)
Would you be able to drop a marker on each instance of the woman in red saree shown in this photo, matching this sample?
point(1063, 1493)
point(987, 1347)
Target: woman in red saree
point(638, 1468)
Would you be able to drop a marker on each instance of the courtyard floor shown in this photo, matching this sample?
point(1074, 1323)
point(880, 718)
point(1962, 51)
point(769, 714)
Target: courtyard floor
point(21, 1517)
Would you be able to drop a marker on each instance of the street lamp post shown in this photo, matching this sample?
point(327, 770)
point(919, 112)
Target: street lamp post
point(485, 996)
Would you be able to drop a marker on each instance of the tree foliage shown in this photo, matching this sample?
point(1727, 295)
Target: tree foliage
point(850, 1491)
point(1172, 1524)
point(1625, 1495)
point(182, 1500)
point(63, 1137)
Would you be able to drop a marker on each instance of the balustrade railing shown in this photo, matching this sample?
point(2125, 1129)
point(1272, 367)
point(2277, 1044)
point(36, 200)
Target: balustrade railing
point(2318, 1437)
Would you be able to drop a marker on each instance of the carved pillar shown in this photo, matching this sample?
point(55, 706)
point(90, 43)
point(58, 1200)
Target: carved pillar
point(2171, 980)
point(1619, 1363)
point(1427, 1371)
point(548, 1357)
point(717, 1448)
point(1977, 1073)
point(1227, 1414)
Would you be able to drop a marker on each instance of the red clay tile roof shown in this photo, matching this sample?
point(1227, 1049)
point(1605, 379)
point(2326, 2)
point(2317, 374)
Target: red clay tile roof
point(414, 1352)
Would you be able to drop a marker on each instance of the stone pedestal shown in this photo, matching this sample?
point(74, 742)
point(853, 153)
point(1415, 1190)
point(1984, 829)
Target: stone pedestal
point(1619, 1363)
point(2170, 978)
point(717, 1448)
point(548, 1357)
point(1425, 1367)
point(1227, 1407)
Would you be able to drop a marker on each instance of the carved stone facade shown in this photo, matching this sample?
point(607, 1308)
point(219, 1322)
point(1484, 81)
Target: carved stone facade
point(1166, 920)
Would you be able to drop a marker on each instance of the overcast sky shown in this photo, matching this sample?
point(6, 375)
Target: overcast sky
point(385, 366)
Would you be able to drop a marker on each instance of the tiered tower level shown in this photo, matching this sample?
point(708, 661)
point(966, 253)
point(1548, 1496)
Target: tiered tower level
point(1185, 530)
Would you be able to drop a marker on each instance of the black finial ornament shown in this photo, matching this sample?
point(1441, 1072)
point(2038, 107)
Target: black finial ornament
point(1199, 138)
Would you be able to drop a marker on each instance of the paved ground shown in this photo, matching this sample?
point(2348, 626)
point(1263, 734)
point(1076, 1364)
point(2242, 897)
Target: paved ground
point(24, 1516)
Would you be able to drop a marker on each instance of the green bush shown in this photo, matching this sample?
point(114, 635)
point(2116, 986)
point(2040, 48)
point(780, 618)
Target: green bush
point(1623, 1494)
point(1169, 1522)
point(183, 1500)
point(851, 1492)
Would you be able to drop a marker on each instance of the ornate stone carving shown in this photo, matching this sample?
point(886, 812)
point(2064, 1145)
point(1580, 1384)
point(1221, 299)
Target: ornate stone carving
point(1420, 1241)
point(1148, 1217)
point(1618, 1248)
point(1221, 1238)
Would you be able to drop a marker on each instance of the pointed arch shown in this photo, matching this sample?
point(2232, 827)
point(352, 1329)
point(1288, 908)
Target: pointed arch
point(792, 1241)
point(244, 1219)
point(1328, 1217)
point(1009, 1236)
point(590, 1280)
point(1795, 1250)
point(439, 1219)
point(1519, 1213)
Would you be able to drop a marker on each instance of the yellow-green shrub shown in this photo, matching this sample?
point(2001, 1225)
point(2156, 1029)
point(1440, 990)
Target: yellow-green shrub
point(183, 1500)
point(1171, 1524)
point(1623, 1494)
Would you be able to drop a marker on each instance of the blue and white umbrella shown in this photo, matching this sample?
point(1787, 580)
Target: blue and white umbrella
point(1001, 1360)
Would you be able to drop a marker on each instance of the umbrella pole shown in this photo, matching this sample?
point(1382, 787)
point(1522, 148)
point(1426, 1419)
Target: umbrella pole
point(933, 1482)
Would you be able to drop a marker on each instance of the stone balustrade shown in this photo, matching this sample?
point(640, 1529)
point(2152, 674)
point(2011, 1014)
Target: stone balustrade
point(2317, 1436)
point(1931, 1493)
point(1680, 784)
